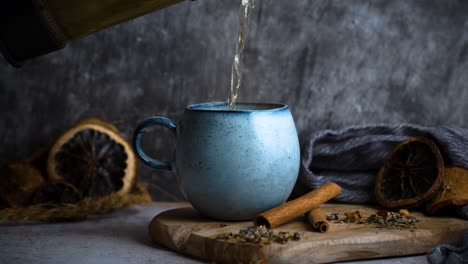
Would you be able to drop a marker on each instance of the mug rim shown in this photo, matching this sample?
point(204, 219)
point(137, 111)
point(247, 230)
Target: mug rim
point(204, 107)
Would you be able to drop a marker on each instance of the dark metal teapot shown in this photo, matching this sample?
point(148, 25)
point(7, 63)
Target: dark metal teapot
point(30, 28)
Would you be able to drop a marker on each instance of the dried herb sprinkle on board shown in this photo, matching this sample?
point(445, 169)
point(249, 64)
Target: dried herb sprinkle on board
point(260, 235)
point(381, 219)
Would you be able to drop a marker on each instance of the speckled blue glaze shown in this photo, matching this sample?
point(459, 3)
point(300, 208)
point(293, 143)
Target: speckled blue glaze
point(232, 165)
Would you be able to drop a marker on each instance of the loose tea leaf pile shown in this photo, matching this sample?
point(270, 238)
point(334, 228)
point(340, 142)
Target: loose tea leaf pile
point(388, 219)
point(381, 219)
point(260, 235)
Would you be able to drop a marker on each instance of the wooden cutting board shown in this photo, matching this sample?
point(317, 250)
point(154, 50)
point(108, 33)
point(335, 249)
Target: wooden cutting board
point(187, 232)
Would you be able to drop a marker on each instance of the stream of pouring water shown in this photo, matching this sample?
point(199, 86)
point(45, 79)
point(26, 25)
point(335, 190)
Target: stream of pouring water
point(238, 66)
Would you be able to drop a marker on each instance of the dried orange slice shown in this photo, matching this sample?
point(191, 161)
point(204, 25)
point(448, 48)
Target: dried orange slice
point(93, 157)
point(453, 192)
point(56, 193)
point(18, 183)
point(412, 174)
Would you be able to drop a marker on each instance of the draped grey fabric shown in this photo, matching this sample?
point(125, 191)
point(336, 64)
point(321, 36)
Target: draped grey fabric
point(450, 254)
point(352, 156)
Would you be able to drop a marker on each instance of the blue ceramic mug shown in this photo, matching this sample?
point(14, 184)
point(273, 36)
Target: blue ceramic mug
point(231, 165)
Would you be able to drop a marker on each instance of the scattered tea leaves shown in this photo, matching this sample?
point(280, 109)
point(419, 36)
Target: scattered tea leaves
point(333, 216)
point(381, 219)
point(393, 220)
point(260, 235)
point(352, 217)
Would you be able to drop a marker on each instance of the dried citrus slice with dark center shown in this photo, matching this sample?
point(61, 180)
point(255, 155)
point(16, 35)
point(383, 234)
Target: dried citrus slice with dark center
point(454, 191)
point(94, 158)
point(57, 193)
point(18, 183)
point(412, 173)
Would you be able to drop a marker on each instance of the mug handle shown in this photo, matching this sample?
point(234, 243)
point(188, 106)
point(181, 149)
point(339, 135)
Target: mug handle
point(147, 160)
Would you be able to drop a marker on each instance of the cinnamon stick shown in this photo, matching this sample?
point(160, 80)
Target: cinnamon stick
point(297, 207)
point(318, 219)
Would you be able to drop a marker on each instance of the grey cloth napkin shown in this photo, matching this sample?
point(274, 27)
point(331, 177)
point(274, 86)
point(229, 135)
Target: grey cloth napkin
point(352, 156)
point(450, 254)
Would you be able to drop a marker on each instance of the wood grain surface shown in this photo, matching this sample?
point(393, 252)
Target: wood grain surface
point(187, 232)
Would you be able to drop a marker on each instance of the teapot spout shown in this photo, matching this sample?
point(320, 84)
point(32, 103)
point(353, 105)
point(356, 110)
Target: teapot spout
point(31, 28)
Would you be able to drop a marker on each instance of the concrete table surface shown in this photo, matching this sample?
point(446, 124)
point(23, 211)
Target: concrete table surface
point(114, 238)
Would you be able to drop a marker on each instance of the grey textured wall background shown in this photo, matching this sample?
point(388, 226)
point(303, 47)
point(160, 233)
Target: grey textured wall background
point(336, 63)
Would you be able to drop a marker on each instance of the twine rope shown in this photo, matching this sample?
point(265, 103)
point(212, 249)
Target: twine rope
point(80, 210)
